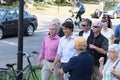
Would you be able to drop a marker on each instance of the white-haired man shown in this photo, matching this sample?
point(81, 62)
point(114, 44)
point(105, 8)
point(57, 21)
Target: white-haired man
point(60, 31)
point(48, 53)
point(97, 47)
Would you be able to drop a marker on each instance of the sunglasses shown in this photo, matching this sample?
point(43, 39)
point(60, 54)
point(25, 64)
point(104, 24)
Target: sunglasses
point(96, 27)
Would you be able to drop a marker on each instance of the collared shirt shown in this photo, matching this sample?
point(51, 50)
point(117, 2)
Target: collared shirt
point(49, 48)
point(99, 41)
point(117, 32)
point(86, 34)
point(66, 48)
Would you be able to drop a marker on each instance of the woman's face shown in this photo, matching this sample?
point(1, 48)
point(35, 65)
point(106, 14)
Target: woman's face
point(105, 26)
point(111, 54)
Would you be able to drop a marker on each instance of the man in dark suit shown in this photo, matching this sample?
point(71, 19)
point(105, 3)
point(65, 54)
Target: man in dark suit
point(86, 25)
point(79, 67)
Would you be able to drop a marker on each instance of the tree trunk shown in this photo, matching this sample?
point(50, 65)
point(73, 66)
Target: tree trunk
point(9, 2)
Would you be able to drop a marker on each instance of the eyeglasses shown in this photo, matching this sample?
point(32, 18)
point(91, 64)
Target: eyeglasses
point(84, 25)
point(96, 27)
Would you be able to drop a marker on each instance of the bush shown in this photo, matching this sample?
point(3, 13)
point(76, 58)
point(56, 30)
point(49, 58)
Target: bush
point(59, 1)
point(109, 4)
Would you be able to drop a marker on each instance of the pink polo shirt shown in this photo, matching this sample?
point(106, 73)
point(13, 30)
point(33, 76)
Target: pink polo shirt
point(49, 48)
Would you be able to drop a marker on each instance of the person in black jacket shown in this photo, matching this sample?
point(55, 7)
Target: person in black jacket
point(97, 47)
point(87, 31)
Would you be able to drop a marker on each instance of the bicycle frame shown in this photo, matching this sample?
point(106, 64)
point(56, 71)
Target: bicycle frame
point(75, 21)
point(26, 71)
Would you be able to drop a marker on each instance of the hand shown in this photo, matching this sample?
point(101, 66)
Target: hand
point(112, 70)
point(52, 68)
point(91, 46)
point(39, 63)
point(60, 71)
point(101, 60)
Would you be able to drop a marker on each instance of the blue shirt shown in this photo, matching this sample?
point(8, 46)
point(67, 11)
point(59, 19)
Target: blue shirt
point(66, 48)
point(80, 67)
point(117, 32)
point(80, 4)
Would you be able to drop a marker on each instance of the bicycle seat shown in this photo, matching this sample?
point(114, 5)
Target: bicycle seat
point(11, 65)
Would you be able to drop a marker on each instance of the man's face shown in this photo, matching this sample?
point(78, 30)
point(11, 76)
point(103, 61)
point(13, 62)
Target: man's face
point(85, 26)
point(53, 30)
point(67, 31)
point(96, 28)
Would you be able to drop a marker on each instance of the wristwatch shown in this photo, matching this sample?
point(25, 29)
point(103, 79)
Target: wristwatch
point(94, 47)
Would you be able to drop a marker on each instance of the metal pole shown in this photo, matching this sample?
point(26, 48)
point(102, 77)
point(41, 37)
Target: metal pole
point(20, 39)
point(58, 5)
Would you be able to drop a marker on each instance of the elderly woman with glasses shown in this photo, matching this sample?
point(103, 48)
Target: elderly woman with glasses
point(111, 69)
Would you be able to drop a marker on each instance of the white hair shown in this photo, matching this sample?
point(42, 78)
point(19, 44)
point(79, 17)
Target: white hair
point(55, 26)
point(116, 48)
point(98, 23)
point(56, 21)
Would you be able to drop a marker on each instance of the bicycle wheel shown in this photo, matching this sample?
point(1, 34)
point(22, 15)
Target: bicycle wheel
point(69, 19)
point(6, 75)
point(35, 74)
point(79, 25)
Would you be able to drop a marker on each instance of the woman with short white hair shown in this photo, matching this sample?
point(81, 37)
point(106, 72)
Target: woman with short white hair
point(111, 69)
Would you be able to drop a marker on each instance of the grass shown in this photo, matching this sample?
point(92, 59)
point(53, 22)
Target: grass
point(38, 72)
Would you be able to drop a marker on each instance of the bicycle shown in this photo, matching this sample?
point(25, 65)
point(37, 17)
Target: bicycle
point(73, 19)
point(4, 74)
point(30, 72)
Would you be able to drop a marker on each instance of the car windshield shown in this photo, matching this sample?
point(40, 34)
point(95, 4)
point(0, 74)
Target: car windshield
point(110, 5)
point(2, 14)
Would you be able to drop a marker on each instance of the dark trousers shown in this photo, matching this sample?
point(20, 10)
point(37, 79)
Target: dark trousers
point(79, 15)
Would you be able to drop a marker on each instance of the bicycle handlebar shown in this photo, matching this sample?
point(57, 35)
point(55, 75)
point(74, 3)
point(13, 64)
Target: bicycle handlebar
point(24, 53)
point(29, 55)
point(72, 12)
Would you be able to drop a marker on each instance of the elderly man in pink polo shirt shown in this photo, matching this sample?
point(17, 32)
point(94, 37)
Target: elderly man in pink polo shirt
point(48, 53)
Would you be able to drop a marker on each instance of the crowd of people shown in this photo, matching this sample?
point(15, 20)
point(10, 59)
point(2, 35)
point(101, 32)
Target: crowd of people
point(92, 55)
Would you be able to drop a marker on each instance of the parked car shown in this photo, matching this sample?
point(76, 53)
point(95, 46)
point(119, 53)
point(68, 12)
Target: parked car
point(9, 22)
point(110, 8)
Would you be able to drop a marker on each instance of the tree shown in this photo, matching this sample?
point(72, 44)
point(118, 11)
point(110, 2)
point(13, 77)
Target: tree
point(7, 2)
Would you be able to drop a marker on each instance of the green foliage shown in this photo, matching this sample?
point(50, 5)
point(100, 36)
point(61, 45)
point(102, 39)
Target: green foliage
point(110, 4)
point(59, 1)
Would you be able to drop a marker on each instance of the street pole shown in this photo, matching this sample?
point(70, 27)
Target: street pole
point(20, 40)
point(58, 5)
